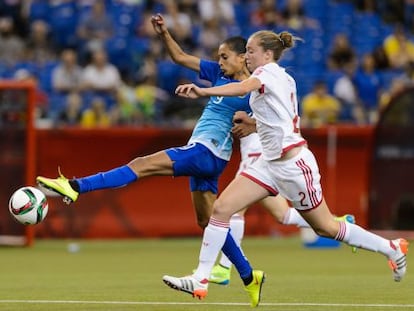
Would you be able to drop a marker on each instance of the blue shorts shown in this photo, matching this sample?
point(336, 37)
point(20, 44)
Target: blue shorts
point(200, 164)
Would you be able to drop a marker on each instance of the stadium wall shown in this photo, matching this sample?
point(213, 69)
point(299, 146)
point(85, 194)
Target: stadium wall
point(161, 206)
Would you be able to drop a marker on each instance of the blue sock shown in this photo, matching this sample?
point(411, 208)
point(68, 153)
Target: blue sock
point(234, 253)
point(117, 177)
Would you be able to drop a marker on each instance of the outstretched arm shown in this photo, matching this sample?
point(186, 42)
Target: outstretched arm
point(174, 50)
point(232, 89)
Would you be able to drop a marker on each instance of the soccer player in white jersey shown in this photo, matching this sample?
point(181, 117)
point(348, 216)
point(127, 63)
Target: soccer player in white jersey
point(250, 151)
point(286, 165)
point(250, 146)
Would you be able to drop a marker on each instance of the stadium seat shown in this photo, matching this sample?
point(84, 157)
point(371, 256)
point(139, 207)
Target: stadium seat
point(56, 104)
point(118, 52)
point(126, 18)
point(63, 21)
point(39, 9)
point(171, 75)
point(45, 76)
point(316, 9)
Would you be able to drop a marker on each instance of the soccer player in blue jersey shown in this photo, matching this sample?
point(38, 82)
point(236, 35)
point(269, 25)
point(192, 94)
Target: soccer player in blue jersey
point(203, 159)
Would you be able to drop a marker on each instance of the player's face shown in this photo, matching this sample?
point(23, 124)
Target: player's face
point(255, 55)
point(230, 61)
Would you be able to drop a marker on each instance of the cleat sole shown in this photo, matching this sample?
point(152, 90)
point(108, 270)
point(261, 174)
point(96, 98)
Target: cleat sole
point(65, 198)
point(200, 294)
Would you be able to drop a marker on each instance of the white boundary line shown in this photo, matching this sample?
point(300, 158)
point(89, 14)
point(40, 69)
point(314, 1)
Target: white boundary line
point(287, 304)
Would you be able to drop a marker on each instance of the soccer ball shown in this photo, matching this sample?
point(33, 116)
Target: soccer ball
point(28, 205)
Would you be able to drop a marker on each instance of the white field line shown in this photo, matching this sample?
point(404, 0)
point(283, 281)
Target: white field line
point(282, 304)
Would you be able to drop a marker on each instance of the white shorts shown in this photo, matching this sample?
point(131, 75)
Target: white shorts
point(250, 150)
point(296, 179)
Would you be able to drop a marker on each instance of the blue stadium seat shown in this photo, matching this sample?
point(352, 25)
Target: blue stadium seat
point(372, 38)
point(340, 18)
point(39, 9)
point(241, 15)
point(126, 18)
point(63, 21)
point(56, 104)
point(119, 53)
point(316, 9)
point(45, 76)
point(169, 75)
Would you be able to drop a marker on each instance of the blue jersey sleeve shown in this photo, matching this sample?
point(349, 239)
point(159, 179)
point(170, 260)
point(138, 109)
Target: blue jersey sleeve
point(209, 71)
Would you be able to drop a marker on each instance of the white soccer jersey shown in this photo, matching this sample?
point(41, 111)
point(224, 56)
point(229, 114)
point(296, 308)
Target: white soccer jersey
point(275, 108)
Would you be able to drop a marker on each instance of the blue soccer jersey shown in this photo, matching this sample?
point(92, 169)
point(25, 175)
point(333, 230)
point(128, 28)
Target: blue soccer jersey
point(213, 128)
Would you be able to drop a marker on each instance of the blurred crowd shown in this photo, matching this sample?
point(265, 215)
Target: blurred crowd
point(98, 63)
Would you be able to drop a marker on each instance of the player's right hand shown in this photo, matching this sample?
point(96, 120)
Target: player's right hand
point(189, 90)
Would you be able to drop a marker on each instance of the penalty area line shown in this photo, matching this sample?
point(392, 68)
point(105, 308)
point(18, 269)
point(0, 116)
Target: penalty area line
point(281, 304)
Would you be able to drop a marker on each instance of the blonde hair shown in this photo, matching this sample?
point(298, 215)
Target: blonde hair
point(277, 43)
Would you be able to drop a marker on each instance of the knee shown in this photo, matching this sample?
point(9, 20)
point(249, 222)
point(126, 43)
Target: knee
point(221, 209)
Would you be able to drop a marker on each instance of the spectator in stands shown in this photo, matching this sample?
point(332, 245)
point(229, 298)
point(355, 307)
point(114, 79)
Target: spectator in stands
point(368, 85)
point(12, 46)
point(341, 54)
point(39, 46)
point(391, 11)
point(211, 35)
point(319, 108)
point(365, 5)
point(399, 48)
point(380, 58)
point(346, 92)
point(266, 15)
point(151, 100)
point(96, 115)
point(100, 76)
point(94, 28)
point(190, 8)
point(295, 17)
point(67, 75)
point(15, 10)
point(126, 111)
point(41, 97)
point(178, 23)
point(72, 112)
point(222, 10)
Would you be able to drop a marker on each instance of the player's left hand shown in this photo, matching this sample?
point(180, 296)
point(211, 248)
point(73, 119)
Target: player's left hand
point(243, 124)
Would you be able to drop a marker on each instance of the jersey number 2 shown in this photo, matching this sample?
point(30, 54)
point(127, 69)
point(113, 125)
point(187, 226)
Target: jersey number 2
point(302, 199)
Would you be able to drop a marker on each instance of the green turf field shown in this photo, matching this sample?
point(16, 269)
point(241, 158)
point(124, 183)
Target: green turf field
point(126, 275)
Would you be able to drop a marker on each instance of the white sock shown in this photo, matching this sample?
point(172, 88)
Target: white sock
point(213, 240)
point(237, 232)
point(354, 235)
point(292, 217)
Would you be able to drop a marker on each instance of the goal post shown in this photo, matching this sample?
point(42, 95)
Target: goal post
point(17, 154)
